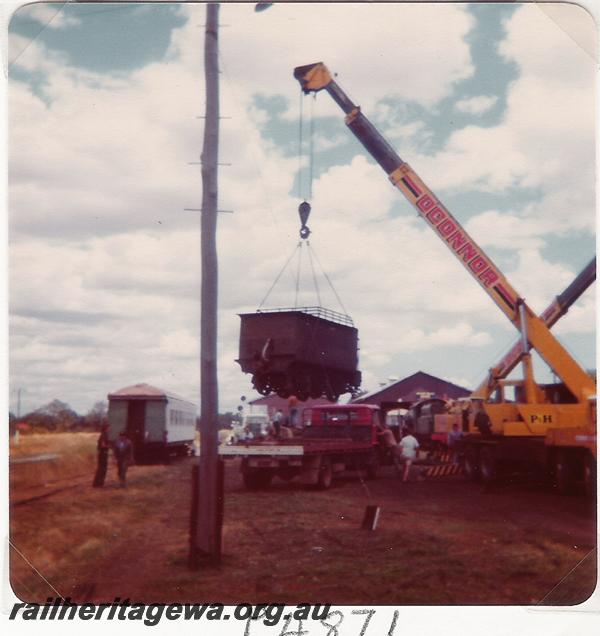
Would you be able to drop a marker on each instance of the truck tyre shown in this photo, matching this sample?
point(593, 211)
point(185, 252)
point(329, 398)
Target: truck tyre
point(257, 479)
point(325, 476)
point(372, 467)
point(589, 475)
point(563, 473)
point(471, 463)
point(488, 465)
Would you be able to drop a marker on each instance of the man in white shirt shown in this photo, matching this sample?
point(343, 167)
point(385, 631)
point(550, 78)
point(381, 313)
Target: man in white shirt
point(409, 446)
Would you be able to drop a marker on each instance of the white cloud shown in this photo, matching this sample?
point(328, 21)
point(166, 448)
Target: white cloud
point(104, 261)
point(476, 105)
point(546, 139)
point(507, 231)
point(360, 41)
point(49, 14)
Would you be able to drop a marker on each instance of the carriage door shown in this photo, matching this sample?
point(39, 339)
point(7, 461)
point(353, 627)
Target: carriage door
point(136, 416)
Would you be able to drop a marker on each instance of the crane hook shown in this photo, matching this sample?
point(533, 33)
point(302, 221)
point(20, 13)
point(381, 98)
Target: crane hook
point(304, 212)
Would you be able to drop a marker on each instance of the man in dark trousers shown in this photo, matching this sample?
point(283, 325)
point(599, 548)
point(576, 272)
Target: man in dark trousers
point(123, 451)
point(103, 447)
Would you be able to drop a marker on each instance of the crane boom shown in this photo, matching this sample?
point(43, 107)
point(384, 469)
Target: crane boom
point(551, 315)
point(316, 77)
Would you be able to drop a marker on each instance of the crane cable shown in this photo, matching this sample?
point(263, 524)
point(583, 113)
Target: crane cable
point(301, 144)
point(298, 272)
point(304, 211)
point(264, 300)
point(333, 289)
point(314, 275)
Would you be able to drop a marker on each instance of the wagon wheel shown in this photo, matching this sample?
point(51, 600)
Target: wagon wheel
point(282, 386)
point(331, 389)
point(331, 395)
point(315, 391)
point(261, 384)
point(279, 384)
point(303, 386)
point(302, 394)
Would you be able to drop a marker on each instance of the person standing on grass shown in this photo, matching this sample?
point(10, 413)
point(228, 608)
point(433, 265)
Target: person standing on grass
point(103, 447)
point(123, 451)
point(277, 421)
point(409, 446)
point(454, 443)
point(388, 441)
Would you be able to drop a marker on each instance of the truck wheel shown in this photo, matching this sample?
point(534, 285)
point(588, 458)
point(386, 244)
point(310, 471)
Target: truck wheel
point(563, 474)
point(325, 474)
point(589, 475)
point(372, 467)
point(488, 465)
point(471, 463)
point(257, 479)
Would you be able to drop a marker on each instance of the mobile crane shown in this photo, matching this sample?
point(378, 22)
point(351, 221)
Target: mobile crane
point(552, 427)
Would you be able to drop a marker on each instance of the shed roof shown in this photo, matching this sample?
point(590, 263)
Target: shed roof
point(407, 390)
point(273, 401)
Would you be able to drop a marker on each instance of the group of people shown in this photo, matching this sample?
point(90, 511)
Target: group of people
point(404, 452)
point(122, 451)
point(281, 426)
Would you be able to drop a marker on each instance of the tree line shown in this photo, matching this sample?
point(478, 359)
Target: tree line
point(58, 416)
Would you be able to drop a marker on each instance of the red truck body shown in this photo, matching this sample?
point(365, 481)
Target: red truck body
point(332, 439)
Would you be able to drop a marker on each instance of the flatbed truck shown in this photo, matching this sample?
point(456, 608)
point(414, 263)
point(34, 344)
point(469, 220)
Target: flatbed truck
point(332, 439)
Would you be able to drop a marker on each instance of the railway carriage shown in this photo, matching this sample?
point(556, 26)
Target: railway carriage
point(158, 423)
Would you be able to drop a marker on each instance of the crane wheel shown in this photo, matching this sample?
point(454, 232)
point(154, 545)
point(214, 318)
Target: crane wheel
point(471, 463)
point(488, 465)
point(589, 475)
point(563, 473)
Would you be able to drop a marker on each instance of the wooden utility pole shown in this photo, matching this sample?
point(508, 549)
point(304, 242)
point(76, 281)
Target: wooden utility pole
point(207, 486)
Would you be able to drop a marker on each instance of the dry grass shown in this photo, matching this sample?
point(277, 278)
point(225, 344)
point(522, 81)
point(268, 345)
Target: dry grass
point(437, 543)
point(76, 457)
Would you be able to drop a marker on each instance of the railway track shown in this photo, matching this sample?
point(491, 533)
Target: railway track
point(48, 489)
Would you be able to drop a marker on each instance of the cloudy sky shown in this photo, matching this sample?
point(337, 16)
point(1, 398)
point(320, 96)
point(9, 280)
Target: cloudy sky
point(491, 104)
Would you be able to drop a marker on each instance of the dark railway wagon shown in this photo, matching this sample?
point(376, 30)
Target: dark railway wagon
point(306, 352)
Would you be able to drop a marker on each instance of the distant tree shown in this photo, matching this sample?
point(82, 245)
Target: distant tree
point(97, 415)
point(54, 408)
point(55, 415)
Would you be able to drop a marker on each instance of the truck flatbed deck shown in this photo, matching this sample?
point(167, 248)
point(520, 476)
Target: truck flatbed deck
point(295, 447)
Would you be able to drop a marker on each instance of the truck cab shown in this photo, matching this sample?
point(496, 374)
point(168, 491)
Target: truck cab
point(351, 421)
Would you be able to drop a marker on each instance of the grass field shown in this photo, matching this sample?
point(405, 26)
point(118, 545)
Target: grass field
point(438, 542)
point(75, 452)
